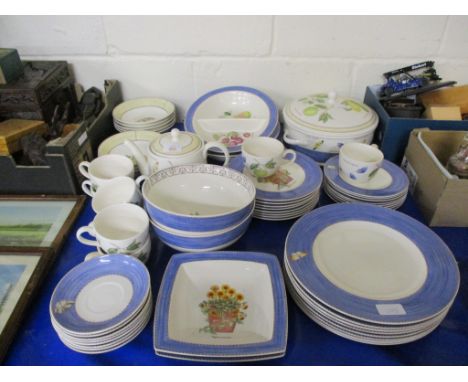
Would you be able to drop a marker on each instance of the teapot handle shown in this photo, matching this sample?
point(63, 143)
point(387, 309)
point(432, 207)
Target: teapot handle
point(220, 146)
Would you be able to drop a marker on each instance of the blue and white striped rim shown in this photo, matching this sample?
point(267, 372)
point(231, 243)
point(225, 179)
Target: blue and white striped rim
point(312, 181)
point(437, 292)
point(273, 110)
point(277, 344)
point(400, 181)
point(78, 277)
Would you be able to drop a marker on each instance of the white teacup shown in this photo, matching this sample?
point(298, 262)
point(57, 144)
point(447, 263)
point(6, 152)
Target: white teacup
point(117, 190)
point(359, 162)
point(104, 168)
point(119, 228)
point(263, 156)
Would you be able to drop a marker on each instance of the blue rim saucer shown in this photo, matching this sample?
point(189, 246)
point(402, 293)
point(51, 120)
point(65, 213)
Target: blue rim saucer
point(312, 181)
point(399, 184)
point(69, 287)
point(437, 292)
point(277, 344)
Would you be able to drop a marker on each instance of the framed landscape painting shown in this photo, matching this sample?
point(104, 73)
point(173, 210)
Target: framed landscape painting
point(41, 221)
point(20, 277)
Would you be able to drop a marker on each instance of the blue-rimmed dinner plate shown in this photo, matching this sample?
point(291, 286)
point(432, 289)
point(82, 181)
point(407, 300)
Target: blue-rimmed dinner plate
point(372, 263)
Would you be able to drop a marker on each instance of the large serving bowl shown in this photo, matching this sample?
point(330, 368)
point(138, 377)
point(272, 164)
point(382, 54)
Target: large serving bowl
point(198, 197)
point(214, 242)
point(230, 115)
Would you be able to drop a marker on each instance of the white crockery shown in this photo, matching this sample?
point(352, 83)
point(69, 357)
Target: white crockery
point(359, 162)
point(100, 170)
point(173, 149)
point(117, 190)
point(263, 156)
point(119, 228)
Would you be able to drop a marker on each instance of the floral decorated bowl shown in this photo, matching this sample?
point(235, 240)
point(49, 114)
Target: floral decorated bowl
point(198, 197)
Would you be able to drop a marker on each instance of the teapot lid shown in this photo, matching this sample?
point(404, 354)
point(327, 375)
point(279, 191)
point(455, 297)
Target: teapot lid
point(175, 143)
point(329, 112)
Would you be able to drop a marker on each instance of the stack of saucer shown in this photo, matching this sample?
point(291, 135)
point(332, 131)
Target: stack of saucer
point(102, 304)
point(387, 188)
point(153, 114)
point(289, 193)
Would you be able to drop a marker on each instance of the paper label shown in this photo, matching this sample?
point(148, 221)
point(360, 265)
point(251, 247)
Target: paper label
point(390, 309)
point(411, 173)
point(82, 138)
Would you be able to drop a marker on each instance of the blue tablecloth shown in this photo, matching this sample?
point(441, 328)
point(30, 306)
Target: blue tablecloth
point(308, 344)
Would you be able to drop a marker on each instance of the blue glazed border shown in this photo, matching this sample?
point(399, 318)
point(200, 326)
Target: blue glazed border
point(200, 243)
point(313, 179)
point(275, 345)
point(78, 277)
point(400, 181)
point(437, 292)
point(188, 123)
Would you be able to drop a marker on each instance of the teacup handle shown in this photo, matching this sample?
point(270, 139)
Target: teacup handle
point(140, 180)
point(288, 161)
point(87, 187)
point(86, 229)
point(220, 146)
point(84, 169)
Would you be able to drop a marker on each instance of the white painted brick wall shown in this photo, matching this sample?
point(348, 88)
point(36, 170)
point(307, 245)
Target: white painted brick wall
point(182, 57)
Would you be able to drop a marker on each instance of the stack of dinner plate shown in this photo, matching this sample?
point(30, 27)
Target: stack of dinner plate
point(231, 115)
point(370, 274)
point(387, 188)
point(153, 114)
point(102, 304)
point(289, 193)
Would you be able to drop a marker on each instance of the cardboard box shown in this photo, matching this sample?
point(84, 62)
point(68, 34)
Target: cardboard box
point(452, 113)
point(441, 196)
point(392, 133)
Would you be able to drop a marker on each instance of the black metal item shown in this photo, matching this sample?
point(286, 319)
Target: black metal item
point(90, 105)
point(404, 108)
point(34, 148)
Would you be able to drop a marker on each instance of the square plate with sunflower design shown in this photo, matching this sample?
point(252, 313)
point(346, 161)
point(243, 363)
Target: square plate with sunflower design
point(221, 306)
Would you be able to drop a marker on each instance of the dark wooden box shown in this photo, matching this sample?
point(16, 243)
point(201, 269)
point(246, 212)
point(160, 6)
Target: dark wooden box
point(43, 85)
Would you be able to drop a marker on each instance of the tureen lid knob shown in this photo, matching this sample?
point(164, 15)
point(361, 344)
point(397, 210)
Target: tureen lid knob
point(331, 97)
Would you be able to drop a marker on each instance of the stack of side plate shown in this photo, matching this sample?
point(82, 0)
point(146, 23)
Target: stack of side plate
point(102, 304)
point(370, 274)
point(153, 114)
point(388, 188)
point(293, 191)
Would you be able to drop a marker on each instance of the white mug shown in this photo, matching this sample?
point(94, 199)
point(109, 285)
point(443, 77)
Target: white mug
point(104, 168)
point(359, 162)
point(119, 228)
point(263, 156)
point(117, 190)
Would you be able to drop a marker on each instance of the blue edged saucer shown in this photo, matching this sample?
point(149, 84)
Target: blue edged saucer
point(436, 293)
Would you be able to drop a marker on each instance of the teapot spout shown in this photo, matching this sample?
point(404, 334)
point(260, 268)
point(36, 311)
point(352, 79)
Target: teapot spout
point(141, 159)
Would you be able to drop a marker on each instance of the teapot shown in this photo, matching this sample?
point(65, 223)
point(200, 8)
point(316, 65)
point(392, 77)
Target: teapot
point(173, 149)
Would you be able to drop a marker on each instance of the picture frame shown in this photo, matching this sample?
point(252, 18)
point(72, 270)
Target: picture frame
point(37, 221)
point(21, 273)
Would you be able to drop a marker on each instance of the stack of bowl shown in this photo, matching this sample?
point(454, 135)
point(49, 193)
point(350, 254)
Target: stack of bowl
point(232, 115)
point(199, 207)
point(318, 125)
point(153, 114)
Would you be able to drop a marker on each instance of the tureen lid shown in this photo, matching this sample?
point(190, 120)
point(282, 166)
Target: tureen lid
point(175, 143)
point(329, 112)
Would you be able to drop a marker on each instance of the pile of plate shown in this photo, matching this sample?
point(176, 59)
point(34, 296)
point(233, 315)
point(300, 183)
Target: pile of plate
point(370, 274)
point(152, 114)
point(102, 304)
point(221, 307)
point(319, 124)
point(291, 192)
point(231, 115)
point(387, 188)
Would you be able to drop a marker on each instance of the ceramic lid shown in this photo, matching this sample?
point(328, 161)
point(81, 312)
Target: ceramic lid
point(331, 113)
point(175, 143)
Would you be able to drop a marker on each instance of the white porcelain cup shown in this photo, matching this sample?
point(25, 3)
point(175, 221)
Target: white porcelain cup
point(117, 190)
point(119, 228)
point(263, 156)
point(359, 162)
point(104, 168)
